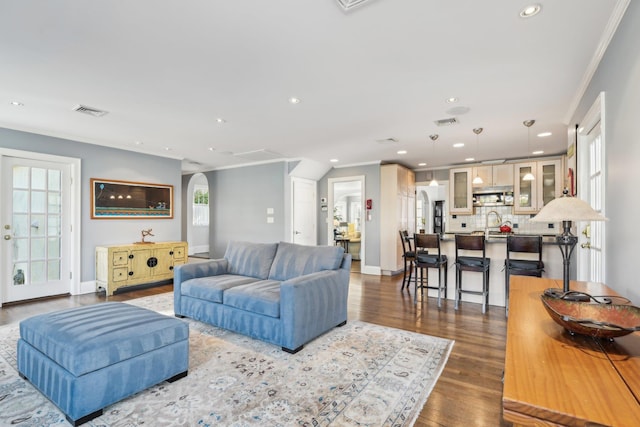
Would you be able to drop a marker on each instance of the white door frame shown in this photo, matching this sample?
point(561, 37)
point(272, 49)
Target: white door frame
point(595, 114)
point(330, 204)
point(75, 211)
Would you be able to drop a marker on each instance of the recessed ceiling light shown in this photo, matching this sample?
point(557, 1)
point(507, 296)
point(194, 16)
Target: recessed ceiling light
point(211, 149)
point(167, 148)
point(294, 100)
point(469, 159)
point(458, 145)
point(422, 164)
point(536, 153)
point(402, 151)
point(334, 160)
point(138, 143)
point(220, 120)
point(17, 104)
point(452, 100)
point(531, 10)
point(543, 134)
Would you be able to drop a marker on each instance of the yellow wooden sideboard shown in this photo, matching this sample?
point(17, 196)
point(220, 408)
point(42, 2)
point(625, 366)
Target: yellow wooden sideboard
point(118, 266)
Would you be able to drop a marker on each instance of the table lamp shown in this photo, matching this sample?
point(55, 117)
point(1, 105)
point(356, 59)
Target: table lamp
point(566, 209)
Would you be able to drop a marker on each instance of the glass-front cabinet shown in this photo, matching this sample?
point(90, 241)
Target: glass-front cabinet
point(460, 191)
point(531, 196)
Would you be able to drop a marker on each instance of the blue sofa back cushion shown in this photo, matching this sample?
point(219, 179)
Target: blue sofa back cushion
point(297, 260)
point(250, 259)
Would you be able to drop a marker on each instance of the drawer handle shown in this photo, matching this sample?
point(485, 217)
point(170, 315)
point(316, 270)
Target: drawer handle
point(131, 273)
point(131, 256)
point(171, 267)
point(152, 262)
point(170, 252)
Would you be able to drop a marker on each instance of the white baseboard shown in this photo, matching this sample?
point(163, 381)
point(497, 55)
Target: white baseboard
point(370, 269)
point(86, 288)
point(198, 249)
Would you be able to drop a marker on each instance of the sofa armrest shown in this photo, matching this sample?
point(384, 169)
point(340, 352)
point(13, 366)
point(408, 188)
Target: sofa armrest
point(312, 304)
point(184, 272)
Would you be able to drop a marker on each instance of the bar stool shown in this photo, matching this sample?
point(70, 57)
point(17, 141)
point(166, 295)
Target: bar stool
point(472, 263)
point(522, 267)
point(424, 242)
point(409, 255)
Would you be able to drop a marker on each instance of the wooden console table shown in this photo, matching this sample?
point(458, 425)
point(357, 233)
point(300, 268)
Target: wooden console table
point(552, 378)
point(118, 266)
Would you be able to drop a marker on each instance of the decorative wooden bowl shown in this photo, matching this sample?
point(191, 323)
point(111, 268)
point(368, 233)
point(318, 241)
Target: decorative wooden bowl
point(593, 318)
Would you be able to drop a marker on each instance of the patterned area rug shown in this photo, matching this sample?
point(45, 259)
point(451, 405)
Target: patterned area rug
point(357, 375)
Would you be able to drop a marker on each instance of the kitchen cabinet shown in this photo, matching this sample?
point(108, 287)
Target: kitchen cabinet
point(495, 175)
point(397, 212)
point(460, 191)
point(120, 266)
point(531, 196)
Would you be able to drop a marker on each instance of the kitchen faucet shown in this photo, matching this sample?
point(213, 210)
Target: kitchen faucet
point(498, 219)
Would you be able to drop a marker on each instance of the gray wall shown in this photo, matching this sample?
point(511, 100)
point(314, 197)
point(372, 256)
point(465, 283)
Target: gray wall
point(372, 191)
point(108, 163)
point(239, 199)
point(619, 77)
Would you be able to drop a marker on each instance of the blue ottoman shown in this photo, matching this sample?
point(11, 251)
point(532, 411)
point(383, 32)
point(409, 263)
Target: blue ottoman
point(84, 359)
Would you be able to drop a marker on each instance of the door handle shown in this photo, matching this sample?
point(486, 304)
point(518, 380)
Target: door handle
point(297, 232)
point(586, 245)
point(587, 231)
point(7, 237)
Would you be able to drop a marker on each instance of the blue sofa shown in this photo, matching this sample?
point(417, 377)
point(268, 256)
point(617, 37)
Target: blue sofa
point(281, 293)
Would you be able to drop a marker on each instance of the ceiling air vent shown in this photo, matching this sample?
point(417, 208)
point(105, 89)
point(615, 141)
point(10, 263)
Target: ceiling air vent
point(88, 110)
point(447, 122)
point(387, 141)
point(350, 4)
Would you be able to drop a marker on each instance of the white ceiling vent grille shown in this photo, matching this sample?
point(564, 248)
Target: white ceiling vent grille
point(387, 141)
point(447, 122)
point(259, 155)
point(350, 4)
point(88, 110)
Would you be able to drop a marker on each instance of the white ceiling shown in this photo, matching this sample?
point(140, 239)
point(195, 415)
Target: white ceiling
point(165, 70)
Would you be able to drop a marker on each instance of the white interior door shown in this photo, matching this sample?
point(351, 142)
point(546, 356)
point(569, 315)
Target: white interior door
point(304, 211)
point(35, 229)
point(591, 165)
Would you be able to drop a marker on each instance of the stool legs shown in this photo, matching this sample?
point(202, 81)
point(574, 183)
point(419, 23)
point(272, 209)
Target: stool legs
point(421, 277)
point(484, 292)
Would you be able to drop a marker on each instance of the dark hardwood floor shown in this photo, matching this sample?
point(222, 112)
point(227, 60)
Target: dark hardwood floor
point(469, 391)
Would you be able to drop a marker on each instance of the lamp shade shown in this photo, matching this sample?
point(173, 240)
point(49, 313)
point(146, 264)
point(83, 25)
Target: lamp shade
point(567, 209)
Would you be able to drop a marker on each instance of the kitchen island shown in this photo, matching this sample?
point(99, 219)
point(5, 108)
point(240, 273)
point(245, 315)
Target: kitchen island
point(496, 250)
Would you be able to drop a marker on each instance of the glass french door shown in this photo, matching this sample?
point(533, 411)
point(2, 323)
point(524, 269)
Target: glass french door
point(34, 220)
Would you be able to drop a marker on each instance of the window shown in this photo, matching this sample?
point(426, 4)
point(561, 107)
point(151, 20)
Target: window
point(201, 205)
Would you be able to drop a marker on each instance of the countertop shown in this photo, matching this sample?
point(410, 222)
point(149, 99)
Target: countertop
point(547, 239)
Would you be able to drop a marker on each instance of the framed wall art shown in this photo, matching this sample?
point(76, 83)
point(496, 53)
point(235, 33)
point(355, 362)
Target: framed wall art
point(114, 199)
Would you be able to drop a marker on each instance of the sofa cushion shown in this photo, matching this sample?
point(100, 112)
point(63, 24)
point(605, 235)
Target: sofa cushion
point(250, 259)
point(293, 260)
point(261, 297)
point(211, 288)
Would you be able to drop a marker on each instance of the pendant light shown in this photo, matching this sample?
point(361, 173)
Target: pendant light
point(433, 182)
point(477, 180)
point(528, 123)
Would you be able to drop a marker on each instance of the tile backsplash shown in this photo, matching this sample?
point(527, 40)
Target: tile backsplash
point(520, 223)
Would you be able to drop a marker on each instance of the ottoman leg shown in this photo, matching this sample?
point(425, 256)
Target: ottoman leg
point(84, 419)
point(178, 376)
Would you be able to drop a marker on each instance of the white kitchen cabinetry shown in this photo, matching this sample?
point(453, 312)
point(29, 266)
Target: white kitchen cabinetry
point(460, 191)
point(531, 196)
point(397, 212)
point(494, 176)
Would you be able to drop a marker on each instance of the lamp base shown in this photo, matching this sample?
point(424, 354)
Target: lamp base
point(567, 296)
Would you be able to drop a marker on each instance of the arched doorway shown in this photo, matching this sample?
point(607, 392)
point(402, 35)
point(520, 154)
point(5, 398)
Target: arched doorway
point(198, 216)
